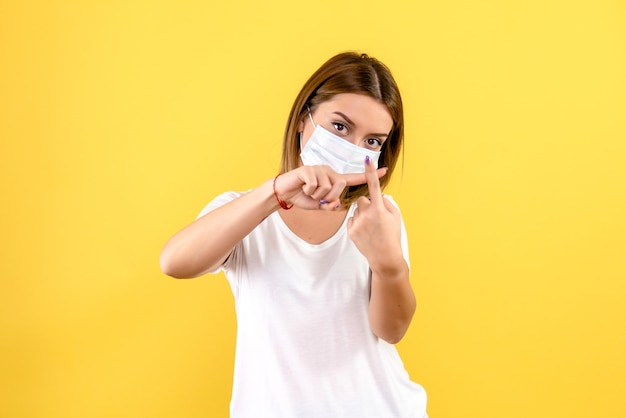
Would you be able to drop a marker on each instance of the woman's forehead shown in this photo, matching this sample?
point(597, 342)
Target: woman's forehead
point(360, 109)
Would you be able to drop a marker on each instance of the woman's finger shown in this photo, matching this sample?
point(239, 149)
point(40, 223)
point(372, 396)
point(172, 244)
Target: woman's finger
point(324, 186)
point(373, 184)
point(355, 179)
point(329, 205)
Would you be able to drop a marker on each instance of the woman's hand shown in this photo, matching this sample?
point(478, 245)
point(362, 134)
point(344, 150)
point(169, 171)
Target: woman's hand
point(318, 187)
point(375, 227)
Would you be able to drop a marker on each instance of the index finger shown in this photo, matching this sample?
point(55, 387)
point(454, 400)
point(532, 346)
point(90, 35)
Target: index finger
point(355, 179)
point(373, 184)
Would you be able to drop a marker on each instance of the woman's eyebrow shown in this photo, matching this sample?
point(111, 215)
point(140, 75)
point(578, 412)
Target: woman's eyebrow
point(347, 119)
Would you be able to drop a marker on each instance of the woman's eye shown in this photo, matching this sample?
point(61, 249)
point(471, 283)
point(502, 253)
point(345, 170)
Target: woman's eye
point(340, 127)
point(373, 142)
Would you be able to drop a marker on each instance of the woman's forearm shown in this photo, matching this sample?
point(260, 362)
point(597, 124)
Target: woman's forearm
point(205, 244)
point(392, 303)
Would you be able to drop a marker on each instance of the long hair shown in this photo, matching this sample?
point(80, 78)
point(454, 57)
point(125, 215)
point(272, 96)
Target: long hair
point(348, 72)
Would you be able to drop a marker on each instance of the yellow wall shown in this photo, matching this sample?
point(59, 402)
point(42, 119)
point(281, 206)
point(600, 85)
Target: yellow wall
point(120, 119)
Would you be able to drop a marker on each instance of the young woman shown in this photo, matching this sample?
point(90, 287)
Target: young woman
point(317, 258)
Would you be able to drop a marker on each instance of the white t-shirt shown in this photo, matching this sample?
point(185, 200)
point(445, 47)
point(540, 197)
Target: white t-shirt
point(305, 348)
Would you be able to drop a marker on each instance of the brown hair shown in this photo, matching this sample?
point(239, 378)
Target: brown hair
point(348, 72)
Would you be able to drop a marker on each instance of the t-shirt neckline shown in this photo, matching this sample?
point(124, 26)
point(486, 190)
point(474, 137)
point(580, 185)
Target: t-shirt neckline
point(330, 241)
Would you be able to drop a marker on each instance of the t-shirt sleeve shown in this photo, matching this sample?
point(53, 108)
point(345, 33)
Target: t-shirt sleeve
point(219, 201)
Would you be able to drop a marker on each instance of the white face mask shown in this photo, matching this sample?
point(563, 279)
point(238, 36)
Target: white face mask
point(326, 148)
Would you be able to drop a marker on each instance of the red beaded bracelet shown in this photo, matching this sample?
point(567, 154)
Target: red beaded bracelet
point(282, 203)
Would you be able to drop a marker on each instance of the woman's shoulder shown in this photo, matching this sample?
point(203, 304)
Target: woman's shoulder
point(391, 199)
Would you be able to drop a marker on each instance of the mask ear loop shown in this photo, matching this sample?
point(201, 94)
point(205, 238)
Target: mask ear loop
point(311, 116)
point(308, 109)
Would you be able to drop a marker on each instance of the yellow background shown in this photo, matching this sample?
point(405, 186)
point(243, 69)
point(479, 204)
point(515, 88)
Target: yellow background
point(120, 120)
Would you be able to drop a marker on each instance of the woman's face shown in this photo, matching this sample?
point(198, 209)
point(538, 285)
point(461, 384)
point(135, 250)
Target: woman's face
point(357, 118)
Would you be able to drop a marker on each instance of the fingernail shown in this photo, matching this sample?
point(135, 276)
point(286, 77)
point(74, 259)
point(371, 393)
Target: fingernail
point(367, 160)
point(338, 206)
point(323, 202)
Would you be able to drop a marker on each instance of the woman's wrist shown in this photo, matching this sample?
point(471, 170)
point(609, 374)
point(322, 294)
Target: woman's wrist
point(267, 197)
point(281, 203)
point(390, 268)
